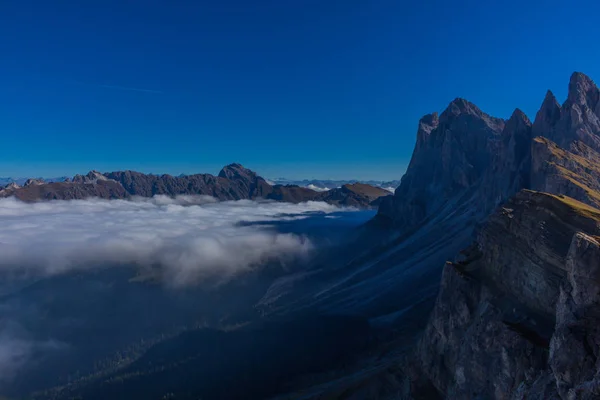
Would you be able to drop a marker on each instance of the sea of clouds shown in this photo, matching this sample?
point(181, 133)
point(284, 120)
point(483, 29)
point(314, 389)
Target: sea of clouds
point(190, 237)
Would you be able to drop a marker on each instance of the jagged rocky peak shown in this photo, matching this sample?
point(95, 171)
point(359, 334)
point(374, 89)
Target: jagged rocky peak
point(578, 119)
point(510, 161)
point(517, 121)
point(91, 177)
point(237, 171)
point(547, 116)
point(583, 91)
point(516, 136)
point(582, 108)
point(452, 153)
point(461, 106)
point(466, 149)
point(12, 186)
point(429, 121)
point(33, 182)
point(426, 124)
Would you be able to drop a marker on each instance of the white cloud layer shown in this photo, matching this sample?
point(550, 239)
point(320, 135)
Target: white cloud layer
point(317, 189)
point(190, 237)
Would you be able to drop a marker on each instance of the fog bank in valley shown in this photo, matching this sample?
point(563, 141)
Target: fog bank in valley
point(188, 240)
point(189, 237)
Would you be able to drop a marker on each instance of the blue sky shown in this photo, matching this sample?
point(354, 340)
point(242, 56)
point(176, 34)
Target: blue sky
point(290, 88)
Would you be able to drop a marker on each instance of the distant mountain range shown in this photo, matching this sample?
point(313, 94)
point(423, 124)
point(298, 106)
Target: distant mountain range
point(326, 184)
point(234, 182)
point(21, 181)
point(314, 184)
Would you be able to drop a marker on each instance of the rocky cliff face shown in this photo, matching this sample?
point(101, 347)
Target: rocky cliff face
point(574, 173)
point(465, 150)
point(517, 312)
point(464, 153)
point(576, 120)
point(498, 326)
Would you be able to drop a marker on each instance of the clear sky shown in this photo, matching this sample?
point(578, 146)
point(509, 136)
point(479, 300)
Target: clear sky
point(290, 88)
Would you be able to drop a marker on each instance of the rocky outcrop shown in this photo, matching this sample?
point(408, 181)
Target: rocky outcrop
point(578, 118)
point(574, 173)
point(510, 163)
point(548, 115)
point(12, 186)
point(247, 181)
point(33, 182)
point(452, 156)
point(517, 309)
point(574, 350)
point(91, 177)
point(566, 150)
point(465, 150)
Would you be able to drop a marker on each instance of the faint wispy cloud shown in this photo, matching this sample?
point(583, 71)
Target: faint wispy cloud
point(117, 87)
point(131, 89)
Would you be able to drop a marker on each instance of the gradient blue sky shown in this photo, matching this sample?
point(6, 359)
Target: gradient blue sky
point(290, 88)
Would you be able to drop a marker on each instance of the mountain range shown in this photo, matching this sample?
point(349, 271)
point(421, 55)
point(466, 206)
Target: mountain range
point(234, 182)
point(315, 184)
point(21, 181)
point(326, 184)
point(479, 278)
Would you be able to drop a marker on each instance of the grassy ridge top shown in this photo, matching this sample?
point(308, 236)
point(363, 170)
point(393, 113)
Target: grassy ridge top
point(565, 203)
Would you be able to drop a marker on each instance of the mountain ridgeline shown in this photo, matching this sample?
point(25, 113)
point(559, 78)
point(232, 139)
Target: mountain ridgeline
point(518, 311)
point(465, 153)
point(234, 182)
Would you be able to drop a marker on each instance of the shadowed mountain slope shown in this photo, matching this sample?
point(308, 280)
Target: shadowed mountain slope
point(517, 311)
